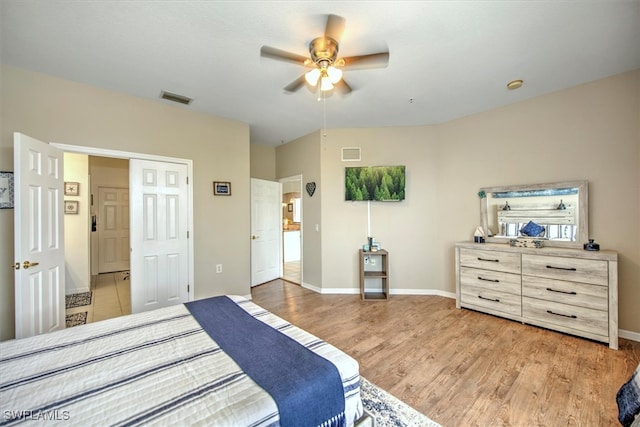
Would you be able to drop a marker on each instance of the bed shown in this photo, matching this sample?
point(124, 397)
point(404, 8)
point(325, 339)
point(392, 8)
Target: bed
point(628, 399)
point(217, 361)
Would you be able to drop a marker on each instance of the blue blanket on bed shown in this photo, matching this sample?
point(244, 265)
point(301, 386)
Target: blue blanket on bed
point(306, 387)
point(628, 399)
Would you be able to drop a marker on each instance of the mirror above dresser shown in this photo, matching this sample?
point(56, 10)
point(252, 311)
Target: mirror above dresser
point(556, 212)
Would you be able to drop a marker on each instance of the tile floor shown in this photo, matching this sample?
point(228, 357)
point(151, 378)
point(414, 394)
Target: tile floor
point(111, 297)
point(291, 272)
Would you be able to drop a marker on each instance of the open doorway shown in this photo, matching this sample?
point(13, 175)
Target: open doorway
point(292, 229)
point(97, 247)
point(110, 246)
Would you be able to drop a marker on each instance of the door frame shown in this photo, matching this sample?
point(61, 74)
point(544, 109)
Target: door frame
point(104, 152)
point(296, 178)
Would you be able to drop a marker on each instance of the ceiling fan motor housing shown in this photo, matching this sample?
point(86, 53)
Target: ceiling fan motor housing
point(323, 50)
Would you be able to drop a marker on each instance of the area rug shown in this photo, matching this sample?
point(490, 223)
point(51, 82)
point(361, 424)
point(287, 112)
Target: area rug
point(78, 300)
point(76, 319)
point(388, 410)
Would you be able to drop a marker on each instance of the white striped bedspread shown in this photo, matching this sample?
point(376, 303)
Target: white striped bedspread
point(153, 368)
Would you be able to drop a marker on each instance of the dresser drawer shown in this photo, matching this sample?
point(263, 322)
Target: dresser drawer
point(481, 297)
point(572, 269)
point(572, 293)
point(566, 316)
point(487, 279)
point(507, 262)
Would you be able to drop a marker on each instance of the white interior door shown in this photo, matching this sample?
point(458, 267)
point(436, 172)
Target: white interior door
point(113, 229)
point(266, 231)
point(39, 237)
point(159, 239)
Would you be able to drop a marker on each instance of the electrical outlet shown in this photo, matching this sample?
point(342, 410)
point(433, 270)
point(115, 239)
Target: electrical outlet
point(218, 268)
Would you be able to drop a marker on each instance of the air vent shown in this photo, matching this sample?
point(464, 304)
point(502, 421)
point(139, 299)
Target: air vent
point(176, 98)
point(350, 154)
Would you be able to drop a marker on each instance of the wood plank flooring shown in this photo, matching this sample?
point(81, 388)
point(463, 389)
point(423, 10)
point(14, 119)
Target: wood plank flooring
point(460, 367)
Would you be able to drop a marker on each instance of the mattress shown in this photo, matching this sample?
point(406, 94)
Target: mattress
point(153, 368)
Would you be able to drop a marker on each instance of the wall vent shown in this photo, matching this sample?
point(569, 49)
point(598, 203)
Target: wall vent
point(350, 154)
point(176, 98)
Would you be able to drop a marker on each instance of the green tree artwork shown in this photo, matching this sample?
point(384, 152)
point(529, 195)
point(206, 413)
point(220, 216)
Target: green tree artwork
point(379, 183)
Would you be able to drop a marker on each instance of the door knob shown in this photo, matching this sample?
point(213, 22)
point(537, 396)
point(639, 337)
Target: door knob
point(28, 264)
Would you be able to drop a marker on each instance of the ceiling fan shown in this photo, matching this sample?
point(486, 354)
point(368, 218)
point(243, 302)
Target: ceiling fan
point(326, 66)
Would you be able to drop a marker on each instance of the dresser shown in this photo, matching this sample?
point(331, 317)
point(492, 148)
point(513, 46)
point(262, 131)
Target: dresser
point(567, 290)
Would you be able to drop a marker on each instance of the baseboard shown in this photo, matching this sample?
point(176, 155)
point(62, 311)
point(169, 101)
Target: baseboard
point(432, 292)
point(355, 291)
point(629, 335)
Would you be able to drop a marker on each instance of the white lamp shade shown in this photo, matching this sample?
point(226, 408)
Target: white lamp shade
point(335, 74)
point(325, 84)
point(312, 76)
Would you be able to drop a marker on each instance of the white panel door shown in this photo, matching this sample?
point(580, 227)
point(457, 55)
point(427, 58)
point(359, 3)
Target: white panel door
point(39, 237)
point(113, 229)
point(159, 239)
point(266, 231)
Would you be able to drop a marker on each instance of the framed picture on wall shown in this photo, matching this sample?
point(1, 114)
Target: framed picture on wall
point(71, 207)
point(6, 190)
point(290, 207)
point(221, 188)
point(71, 188)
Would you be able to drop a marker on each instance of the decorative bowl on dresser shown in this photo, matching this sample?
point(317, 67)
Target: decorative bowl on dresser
point(564, 289)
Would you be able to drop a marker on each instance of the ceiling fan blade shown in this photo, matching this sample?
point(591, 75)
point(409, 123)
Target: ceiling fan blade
point(335, 27)
point(296, 84)
point(343, 87)
point(282, 55)
point(373, 60)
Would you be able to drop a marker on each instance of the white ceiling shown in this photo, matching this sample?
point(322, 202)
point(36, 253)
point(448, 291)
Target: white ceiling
point(453, 58)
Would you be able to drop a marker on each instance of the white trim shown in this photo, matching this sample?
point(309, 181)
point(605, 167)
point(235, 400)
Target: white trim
point(429, 292)
point(629, 335)
point(104, 152)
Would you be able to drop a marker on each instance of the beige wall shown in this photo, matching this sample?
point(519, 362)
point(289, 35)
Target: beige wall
point(77, 227)
point(407, 229)
point(263, 162)
point(589, 132)
point(302, 157)
point(61, 111)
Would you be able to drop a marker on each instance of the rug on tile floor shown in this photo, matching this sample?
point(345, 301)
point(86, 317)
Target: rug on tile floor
point(76, 319)
point(78, 300)
point(388, 410)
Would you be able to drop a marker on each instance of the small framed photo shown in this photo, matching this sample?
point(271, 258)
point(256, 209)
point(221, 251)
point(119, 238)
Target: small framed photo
point(289, 207)
point(221, 188)
point(71, 188)
point(71, 207)
point(6, 190)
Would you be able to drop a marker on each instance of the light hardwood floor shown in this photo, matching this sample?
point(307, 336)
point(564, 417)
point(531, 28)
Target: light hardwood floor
point(460, 367)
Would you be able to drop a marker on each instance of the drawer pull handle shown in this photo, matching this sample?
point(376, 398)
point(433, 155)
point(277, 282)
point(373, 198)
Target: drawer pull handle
point(490, 260)
point(561, 268)
point(571, 316)
point(489, 299)
point(489, 280)
point(562, 292)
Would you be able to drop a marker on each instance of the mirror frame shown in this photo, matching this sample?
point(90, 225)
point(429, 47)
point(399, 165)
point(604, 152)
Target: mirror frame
point(583, 210)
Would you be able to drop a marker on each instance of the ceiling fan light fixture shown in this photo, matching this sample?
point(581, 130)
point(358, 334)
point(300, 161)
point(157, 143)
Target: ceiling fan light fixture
point(312, 76)
point(325, 84)
point(335, 74)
